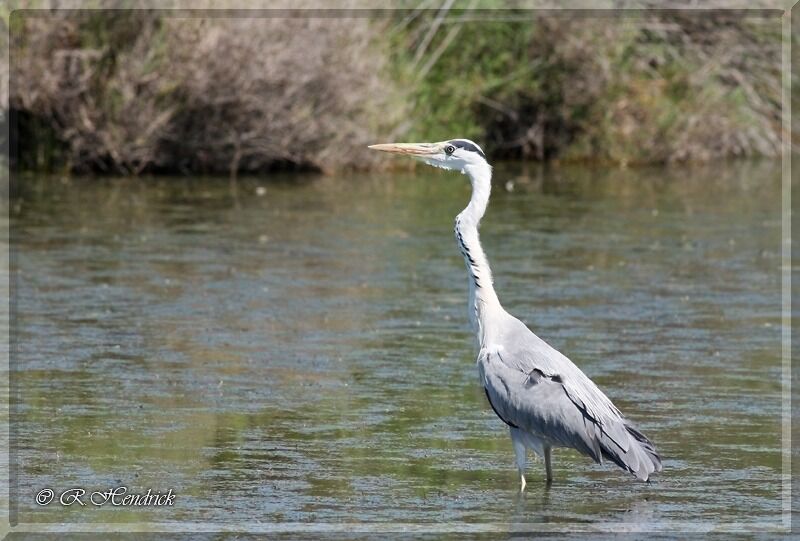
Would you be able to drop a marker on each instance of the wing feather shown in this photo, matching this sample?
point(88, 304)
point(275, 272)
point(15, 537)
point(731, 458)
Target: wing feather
point(532, 386)
point(538, 405)
point(526, 352)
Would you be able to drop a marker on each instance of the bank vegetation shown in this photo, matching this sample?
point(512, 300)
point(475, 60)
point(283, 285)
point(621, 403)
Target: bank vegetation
point(127, 92)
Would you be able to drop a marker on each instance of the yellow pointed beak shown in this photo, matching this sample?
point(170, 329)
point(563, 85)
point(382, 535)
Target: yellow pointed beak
point(410, 149)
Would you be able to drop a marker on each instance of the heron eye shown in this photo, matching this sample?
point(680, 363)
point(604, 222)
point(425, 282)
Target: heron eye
point(449, 149)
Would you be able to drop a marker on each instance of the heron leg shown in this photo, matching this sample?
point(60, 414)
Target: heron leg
point(548, 464)
point(521, 453)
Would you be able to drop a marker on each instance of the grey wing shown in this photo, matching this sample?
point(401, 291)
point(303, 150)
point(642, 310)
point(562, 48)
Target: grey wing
point(537, 404)
point(532, 385)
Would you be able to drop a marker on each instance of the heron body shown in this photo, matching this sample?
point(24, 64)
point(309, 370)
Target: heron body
point(544, 398)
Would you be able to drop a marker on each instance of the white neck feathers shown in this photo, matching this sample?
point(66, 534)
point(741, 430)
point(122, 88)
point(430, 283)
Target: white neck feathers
point(483, 302)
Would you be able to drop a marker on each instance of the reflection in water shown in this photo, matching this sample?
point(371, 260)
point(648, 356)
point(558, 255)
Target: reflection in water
point(304, 355)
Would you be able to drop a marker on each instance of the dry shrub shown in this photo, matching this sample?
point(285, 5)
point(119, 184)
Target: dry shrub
point(101, 99)
point(302, 91)
point(132, 91)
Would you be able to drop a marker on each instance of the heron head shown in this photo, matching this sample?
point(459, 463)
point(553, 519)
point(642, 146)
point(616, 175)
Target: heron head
point(455, 154)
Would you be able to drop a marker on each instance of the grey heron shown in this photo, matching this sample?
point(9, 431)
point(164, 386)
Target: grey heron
point(545, 399)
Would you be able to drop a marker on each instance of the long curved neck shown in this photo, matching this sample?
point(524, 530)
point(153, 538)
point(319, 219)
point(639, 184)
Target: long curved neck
point(484, 306)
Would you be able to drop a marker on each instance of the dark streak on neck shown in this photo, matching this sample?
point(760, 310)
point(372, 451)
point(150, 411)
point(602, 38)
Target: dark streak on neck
point(473, 267)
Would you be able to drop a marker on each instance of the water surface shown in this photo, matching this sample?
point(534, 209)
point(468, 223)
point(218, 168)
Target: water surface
point(298, 350)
